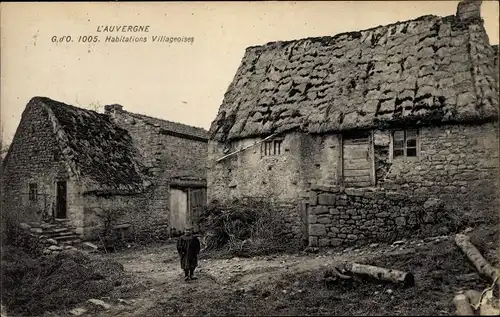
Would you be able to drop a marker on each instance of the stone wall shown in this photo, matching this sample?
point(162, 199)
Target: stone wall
point(34, 157)
point(250, 174)
point(163, 153)
point(166, 157)
point(129, 209)
point(339, 216)
point(458, 164)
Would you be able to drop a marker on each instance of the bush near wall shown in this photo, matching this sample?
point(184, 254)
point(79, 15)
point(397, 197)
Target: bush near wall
point(247, 227)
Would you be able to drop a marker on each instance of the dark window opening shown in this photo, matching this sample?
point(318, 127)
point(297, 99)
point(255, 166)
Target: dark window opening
point(33, 192)
point(270, 148)
point(57, 157)
point(405, 143)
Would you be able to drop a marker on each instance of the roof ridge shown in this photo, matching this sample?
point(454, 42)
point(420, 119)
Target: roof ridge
point(333, 37)
point(164, 120)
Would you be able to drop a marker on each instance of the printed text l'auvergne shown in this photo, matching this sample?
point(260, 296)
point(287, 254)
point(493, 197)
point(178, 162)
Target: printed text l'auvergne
point(123, 28)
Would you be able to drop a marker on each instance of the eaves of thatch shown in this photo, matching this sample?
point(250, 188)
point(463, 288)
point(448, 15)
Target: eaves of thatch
point(431, 70)
point(100, 154)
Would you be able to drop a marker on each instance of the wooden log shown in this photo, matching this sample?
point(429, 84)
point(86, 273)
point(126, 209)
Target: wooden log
point(333, 276)
point(462, 306)
point(482, 266)
point(489, 305)
point(383, 274)
point(474, 297)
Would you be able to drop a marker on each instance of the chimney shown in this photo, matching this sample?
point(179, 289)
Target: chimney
point(469, 9)
point(111, 110)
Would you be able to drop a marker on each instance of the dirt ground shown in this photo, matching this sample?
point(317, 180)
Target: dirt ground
point(290, 284)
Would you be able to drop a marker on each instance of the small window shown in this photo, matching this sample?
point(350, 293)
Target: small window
point(270, 148)
point(57, 157)
point(404, 143)
point(33, 192)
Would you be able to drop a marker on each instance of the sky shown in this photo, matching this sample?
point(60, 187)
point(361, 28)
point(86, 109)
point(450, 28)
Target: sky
point(183, 82)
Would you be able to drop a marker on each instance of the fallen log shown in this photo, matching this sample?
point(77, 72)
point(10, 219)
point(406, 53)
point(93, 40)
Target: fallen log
point(333, 276)
point(489, 305)
point(482, 266)
point(383, 274)
point(462, 306)
point(474, 297)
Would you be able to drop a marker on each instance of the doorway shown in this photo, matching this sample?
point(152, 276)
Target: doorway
point(186, 206)
point(61, 200)
point(178, 209)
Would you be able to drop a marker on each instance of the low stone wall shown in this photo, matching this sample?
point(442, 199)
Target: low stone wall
point(338, 216)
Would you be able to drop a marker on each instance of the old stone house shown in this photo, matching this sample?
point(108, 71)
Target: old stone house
point(85, 167)
point(361, 130)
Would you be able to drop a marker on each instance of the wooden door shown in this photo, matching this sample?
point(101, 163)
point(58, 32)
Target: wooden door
point(357, 160)
point(178, 209)
point(61, 200)
point(197, 201)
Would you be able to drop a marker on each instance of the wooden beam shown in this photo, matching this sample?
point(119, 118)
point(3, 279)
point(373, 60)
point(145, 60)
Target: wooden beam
point(372, 155)
point(247, 147)
point(340, 166)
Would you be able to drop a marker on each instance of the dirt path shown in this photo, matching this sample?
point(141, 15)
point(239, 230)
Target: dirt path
point(159, 279)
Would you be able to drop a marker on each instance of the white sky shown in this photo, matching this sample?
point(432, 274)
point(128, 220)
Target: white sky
point(178, 82)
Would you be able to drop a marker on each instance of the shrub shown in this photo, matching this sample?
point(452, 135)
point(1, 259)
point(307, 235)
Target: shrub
point(246, 228)
point(33, 285)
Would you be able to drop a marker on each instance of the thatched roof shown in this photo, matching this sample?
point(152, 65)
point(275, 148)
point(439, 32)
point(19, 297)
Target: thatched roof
point(424, 71)
point(99, 152)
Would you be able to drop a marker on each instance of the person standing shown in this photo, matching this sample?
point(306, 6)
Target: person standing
point(188, 247)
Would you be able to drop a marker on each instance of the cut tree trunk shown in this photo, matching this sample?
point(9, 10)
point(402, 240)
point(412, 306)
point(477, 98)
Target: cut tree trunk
point(383, 274)
point(489, 305)
point(482, 266)
point(474, 297)
point(462, 306)
point(333, 277)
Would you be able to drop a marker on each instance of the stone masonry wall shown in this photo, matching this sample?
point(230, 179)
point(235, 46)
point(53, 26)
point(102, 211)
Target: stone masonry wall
point(250, 174)
point(352, 216)
point(165, 157)
point(132, 210)
point(34, 158)
point(457, 164)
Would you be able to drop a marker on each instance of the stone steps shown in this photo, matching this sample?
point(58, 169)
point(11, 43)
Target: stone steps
point(56, 236)
point(71, 237)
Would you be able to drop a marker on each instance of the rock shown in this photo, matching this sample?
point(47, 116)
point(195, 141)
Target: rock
point(433, 204)
point(46, 251)
point(36, 230)
point(78, 311)
point(429, 217)
point(51, 241)
point(24, 226)
point(399, 242)
point(317, 230)
point(467, 230)
point(55, 248)
point(99, 303)
point(326, 199)
point(373, 245)
point(389, 291)
point(90, 245)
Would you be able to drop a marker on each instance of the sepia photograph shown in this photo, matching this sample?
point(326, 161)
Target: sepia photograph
point(249, 158)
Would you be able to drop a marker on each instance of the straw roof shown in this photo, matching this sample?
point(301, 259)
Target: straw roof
point(429, 70)
point(99, 152)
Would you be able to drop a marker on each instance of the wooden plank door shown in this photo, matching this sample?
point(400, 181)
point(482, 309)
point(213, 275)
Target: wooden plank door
point(357, 160)
point(197, 201)
point(178, 209)
point(61, 200)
